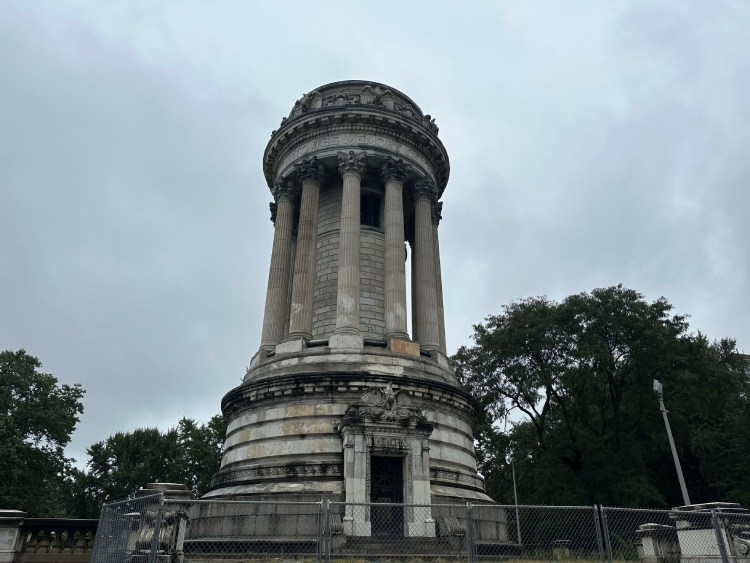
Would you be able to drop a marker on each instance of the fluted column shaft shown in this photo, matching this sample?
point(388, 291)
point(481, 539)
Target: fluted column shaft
point(394, 172)
point(275, 314)
point(426, 294)
point(352, 168)
point(303, 284)
point(436, 216)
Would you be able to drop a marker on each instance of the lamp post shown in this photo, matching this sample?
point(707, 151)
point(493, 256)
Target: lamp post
point(515, 497)
point(659, 392)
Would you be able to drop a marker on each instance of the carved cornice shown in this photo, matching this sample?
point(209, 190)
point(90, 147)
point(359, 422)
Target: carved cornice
point(279, 386)
point(394, 170)
point(352, 163)
point(457, 477)
point(387, 405)
point(366, 95)
point(437, 212)
point(309, 170)
point(321, 125)
point(425, 188)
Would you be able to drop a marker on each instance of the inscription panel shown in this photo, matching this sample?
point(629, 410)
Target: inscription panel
point(344, 141)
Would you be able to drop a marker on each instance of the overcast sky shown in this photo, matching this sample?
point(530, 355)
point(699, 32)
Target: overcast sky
point(591, 144)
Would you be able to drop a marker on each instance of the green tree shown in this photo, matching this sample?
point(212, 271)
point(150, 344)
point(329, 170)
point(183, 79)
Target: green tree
point(119, 466)
point(38, 416)
point(579, 373)
point(201, 447)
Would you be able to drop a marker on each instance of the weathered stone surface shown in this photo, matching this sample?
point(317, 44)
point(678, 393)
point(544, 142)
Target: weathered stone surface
point(401, 346)
point(341, 391)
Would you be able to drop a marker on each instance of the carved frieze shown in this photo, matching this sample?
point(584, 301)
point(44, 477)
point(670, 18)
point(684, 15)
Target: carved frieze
point(352, 163)
point(368, 95)
point(388, 444)
point(385, 404)
point(281, 471)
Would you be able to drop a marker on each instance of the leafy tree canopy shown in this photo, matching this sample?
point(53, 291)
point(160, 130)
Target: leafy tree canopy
point(573, 382)
point(119, 466)
point(37, 418)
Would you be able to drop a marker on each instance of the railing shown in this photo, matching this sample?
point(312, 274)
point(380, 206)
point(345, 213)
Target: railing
point(148, 529)
point(46, 540)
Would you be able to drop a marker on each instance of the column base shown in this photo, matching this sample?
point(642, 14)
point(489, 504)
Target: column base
point(291, 346)
point(346, 341)
point(403, 346)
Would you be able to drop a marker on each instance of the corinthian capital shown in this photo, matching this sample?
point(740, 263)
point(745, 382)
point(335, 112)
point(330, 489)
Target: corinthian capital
point(273, 207)
point(425, 188)
point(309, 169)
point(352, 163)
point(281, 190)
point(437, 212)
point(394, 170)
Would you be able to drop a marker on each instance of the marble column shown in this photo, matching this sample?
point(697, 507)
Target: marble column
point(425, 193)
point(394, 172)
point(347, 333)
point(303, 284)
point(275, 314)
point(437, 209)
point(413, 270)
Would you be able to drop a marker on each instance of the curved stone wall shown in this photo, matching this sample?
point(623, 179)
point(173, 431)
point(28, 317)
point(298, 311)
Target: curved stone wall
point(341, 385)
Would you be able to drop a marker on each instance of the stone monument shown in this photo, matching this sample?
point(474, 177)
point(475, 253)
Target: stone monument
point(341, 400)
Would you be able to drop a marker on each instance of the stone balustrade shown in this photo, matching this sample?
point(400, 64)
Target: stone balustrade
point(45, 540)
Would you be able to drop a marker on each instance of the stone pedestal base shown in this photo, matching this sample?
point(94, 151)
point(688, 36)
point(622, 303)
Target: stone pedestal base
point(290, 346)
point(346, 341)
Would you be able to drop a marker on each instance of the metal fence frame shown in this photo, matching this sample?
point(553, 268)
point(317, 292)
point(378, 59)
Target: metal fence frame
point(155, 530)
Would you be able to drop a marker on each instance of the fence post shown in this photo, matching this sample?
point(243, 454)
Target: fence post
point(605, 531)
point(470, 533)
point(324, 545)
point(719, 537)
point(157, 531)
point(598, 528)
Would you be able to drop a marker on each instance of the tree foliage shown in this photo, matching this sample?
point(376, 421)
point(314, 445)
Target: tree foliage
point(37, 418)
point(575, 378)
point(119, 466)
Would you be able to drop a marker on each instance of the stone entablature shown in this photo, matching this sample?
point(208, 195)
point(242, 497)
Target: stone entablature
point(343, 93)
point(357, 115)
point(348, 385)
point(379, 142)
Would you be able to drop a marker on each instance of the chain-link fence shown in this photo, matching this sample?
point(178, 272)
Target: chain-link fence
point(155, 530)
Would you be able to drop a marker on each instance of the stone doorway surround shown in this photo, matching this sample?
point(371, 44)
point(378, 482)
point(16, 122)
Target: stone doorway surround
point(384, 423)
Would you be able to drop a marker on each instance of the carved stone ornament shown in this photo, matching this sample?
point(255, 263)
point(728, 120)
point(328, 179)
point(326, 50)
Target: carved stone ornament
point(273, 207)
point(309, 169)
point(437, 212)
point(385, 404)
point(394, 170)
point(352, 163)
point(369, 95)
point(281, 189)
point(425, 188)
point(429, 122)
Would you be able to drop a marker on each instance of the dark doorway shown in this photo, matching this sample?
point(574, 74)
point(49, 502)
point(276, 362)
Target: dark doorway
point(387, 485)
